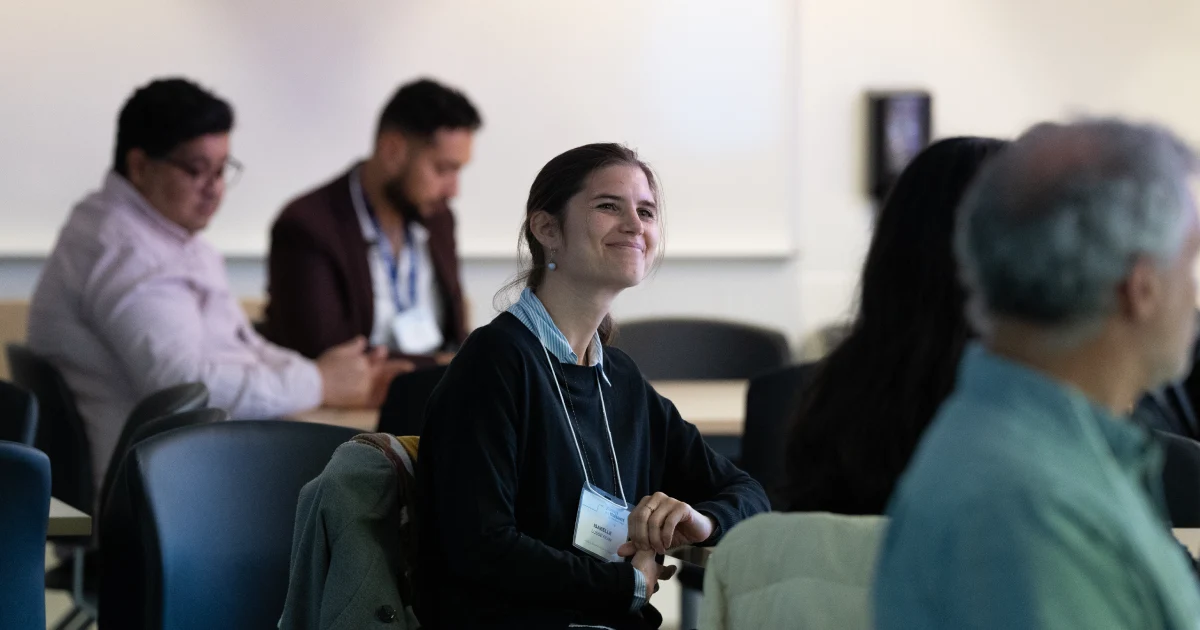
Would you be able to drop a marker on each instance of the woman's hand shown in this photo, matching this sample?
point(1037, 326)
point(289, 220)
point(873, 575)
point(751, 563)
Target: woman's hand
point(659, 523)
point(647, 563)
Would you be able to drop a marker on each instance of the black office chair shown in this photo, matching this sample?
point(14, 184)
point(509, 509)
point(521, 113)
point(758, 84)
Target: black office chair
point(1181, 478)
point(83, 589)
point(771, 406)
point(701, 349)
point(403, 411)
point(214, 506)
point(61, 436)
point(174, 421)
point(18, 414)
point(119, 538)
point(165, 402)
point(24, 511)
point(60, 433)
point(1168, 409)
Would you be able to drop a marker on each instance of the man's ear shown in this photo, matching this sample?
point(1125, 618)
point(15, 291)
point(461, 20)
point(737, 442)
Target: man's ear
point(394, 148)
point(1140, 296)
point(136, 163)
point(546, 229)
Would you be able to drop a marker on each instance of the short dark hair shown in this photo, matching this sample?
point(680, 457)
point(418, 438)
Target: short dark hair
point(422, 107)
point(164, 114)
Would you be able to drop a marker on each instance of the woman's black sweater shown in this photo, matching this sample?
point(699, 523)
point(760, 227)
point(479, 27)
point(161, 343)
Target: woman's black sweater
point(499, 480)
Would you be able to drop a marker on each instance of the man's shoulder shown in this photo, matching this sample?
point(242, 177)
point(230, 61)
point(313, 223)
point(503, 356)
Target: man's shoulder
point(980, 469)
point(988, 451)
point(314, 210)
point(98, 234)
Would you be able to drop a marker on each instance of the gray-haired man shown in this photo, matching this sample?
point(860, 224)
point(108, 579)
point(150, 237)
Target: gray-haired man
point(1032, 501)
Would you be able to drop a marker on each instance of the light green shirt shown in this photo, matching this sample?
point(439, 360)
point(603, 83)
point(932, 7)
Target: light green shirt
point(1028, 506)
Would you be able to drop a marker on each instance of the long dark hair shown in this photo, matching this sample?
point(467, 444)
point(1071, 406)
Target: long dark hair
point(861, 417)
point(559, 180)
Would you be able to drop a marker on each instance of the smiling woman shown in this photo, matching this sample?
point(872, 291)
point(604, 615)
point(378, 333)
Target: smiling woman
point(609, 229)
point(528, 487)
point(611, 182)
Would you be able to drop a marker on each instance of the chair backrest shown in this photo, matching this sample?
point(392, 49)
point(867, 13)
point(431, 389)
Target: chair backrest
point(122, 578)
point(165, 402)
point(18, 414)
point(60, 433)
point(177, 421)
point(215, 505)
point(1181, 478)
point(403, 411)
point(700, 349)
point(799, 570)
point(24, 512)
point(1168, 409)
point(771, 405)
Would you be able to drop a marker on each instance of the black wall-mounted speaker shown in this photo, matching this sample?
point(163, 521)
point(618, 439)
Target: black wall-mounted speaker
point(899, 128)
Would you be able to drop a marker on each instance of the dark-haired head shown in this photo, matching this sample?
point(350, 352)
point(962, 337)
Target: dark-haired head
point(873, 396)
point(164, 114)
point(424, 106)
point(422, 143)
point(173, 146)
point(595, 212)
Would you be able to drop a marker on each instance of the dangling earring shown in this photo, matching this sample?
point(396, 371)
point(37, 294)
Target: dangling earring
point(551, 266)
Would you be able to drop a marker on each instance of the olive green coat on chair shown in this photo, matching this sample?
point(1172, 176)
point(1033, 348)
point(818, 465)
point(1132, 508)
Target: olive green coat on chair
point(351, 544)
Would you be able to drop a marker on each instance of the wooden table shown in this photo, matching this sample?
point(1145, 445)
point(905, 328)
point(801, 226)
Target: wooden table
point(66, 521)
point(362, 419)
point(715, 407)
point(1190, 537)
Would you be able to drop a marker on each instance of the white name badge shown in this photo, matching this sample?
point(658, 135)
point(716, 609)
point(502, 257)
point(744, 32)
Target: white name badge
point(602, 525)
point(416, 332)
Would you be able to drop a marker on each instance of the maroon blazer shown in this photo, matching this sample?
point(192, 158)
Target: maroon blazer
point(319, 281)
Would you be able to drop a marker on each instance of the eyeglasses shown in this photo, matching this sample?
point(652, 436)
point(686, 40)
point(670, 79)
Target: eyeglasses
point(230, 172)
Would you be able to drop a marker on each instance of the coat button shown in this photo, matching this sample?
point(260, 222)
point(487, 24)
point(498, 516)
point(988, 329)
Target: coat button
point(386, 614)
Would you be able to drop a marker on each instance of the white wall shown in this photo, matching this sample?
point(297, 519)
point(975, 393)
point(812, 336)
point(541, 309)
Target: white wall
point(993, 66)
point(702, 89)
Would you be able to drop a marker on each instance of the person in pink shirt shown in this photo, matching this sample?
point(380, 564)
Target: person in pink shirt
point(132, 299)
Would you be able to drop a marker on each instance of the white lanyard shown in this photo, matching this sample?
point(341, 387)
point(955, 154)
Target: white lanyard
point(575, 437)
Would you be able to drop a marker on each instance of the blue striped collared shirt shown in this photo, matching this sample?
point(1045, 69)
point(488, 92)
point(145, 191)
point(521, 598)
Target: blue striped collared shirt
point(530, 310)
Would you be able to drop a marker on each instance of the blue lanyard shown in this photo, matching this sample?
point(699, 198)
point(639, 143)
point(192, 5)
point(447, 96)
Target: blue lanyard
point(393, 266)
point(389, 257)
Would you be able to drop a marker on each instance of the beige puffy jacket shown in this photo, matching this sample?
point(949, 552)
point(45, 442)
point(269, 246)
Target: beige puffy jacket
point(794, 570)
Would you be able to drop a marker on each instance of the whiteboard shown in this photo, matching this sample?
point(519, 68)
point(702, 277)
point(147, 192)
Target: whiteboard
point(704, 89)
